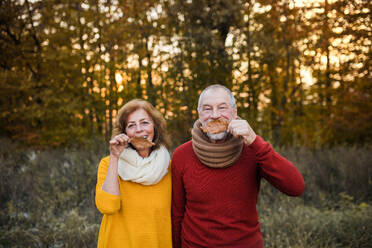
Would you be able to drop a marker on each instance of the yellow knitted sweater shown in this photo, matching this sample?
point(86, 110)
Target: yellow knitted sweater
point(139, 217)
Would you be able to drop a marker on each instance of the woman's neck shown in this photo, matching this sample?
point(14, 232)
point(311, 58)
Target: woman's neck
point(144, 152)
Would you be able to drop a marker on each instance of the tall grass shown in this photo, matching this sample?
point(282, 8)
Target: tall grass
point(335, 209)
point(47, 199)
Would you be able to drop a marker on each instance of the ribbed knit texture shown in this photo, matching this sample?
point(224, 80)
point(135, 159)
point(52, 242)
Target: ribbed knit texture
point(139, 217)
point(214, 208)
point(215, 155)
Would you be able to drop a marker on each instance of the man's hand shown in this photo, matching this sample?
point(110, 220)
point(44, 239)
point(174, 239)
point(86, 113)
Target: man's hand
point(241, 128)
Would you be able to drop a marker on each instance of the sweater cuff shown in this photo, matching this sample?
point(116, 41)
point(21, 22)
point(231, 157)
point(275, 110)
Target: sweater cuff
point(107, 203)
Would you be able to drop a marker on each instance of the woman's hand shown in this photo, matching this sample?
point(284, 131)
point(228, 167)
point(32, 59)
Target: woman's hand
point(118, 144)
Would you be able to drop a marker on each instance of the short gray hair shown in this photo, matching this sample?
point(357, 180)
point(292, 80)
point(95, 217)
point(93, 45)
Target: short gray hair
point(214, 87)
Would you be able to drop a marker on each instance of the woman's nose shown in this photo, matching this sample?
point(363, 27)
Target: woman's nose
point(139, 128)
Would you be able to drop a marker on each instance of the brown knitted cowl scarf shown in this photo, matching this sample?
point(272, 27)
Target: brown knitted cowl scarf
point(215, 155)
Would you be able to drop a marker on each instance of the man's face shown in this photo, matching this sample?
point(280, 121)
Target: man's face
point(216, 104)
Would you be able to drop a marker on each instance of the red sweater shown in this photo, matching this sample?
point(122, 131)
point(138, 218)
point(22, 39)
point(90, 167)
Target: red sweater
point(217, 207)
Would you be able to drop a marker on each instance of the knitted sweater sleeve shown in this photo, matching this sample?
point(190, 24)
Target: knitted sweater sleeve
point(106, 203)
point(178, 197)
point(277, 170)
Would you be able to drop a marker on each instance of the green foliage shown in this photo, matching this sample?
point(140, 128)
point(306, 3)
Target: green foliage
point(66, 67)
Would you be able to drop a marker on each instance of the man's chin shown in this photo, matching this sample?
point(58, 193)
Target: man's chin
point(217, 136)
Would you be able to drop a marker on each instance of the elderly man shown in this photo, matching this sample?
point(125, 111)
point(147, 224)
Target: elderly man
point(216, 178)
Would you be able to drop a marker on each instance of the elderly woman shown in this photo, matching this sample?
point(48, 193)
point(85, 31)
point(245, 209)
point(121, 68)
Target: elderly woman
point(133, 189)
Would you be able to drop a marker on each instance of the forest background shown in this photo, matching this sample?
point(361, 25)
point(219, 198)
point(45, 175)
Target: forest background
point(300, 72)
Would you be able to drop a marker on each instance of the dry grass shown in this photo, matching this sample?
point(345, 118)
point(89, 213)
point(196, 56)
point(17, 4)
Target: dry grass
point(47, 199)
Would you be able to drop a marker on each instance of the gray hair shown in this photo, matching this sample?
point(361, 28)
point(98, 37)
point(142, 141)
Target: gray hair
point(214, 87)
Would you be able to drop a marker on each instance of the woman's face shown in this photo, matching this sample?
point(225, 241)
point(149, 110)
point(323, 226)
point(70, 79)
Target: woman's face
point(139, 123)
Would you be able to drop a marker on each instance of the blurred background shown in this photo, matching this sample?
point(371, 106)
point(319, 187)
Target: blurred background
point(301, 73)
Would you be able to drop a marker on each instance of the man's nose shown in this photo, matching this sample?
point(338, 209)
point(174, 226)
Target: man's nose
point(215, 114)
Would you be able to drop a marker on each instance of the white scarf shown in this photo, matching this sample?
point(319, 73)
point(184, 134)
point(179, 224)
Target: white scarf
point(146, 171)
